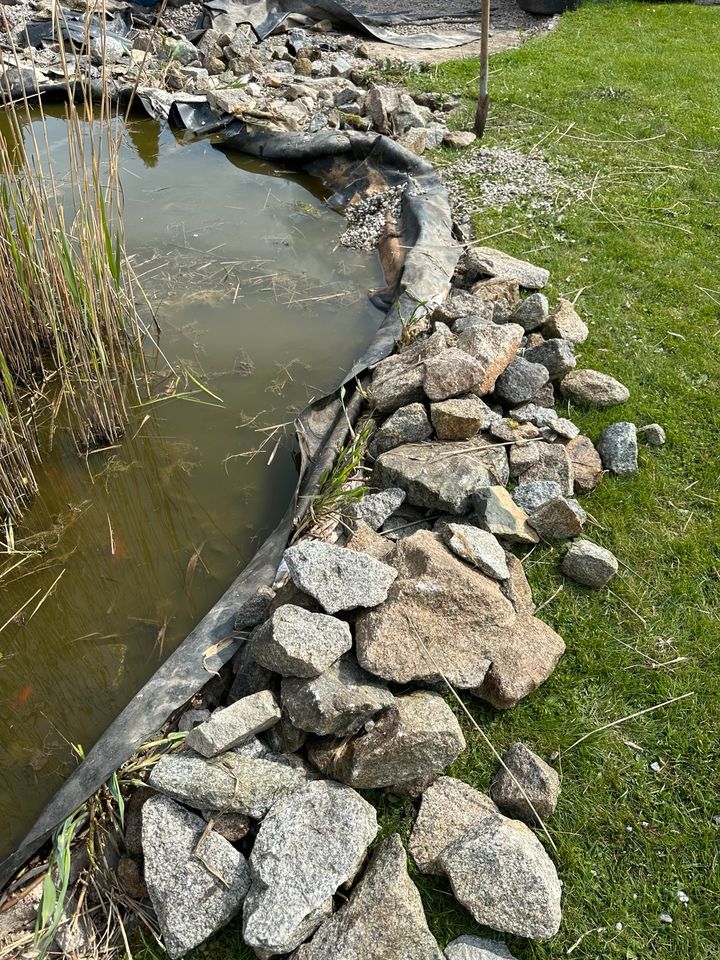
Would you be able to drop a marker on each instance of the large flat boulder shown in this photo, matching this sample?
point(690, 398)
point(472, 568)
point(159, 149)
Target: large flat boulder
point(197, 881)
point(306, 848)
point(383, 919)
point(442, 476)
point(489, 262)
point(414, 740)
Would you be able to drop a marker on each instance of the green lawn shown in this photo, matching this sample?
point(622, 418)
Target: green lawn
point(639, 85)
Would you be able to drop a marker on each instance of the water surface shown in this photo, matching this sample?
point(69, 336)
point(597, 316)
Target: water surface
point(254, 296)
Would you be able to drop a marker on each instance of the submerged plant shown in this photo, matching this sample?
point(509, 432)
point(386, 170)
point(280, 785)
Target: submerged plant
point(69, 328)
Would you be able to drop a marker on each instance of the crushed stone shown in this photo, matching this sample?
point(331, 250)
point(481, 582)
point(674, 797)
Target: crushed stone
point(367, 218)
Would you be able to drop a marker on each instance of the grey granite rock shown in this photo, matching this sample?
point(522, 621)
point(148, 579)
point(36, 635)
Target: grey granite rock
point(565, 323)
point(499, 515)
point(460, 305)
point(474, 320)
point(653, 434)
point(556, 355)
point(553, 464)
point(558, 519)
point(419, 736)
point(337, 578)
point(195, 887)
point(540, 784)
point(477, 948)
point(520, 381)
point(297, 643)
point(593, 389)
point(522, 456)
point(449, 808)
point(374, 508)
point(586, 464)
point(618, 448)
point(397, 380)
point(478, 547)
point(230, 726)
point(533, 495)
point(531, 312)
point(383, 919)
point(459, 419)
point(589, 564)
point(338, 702)
point(409, 424)
point(442, 476)
point(500, 871)
point(535, 414)
point(307, 847)
point(254, 610)
point(229, 783)
point(450, 373)
point(488, 262)
point(494, 347)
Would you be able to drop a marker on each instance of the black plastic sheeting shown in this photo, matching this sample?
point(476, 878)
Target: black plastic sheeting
point(265, 15)
point(347, 161)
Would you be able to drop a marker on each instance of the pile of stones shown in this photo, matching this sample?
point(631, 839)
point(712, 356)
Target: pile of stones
point(337, 686)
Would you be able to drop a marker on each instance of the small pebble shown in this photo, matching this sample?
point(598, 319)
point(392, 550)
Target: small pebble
point(665, 918)
point(683, 897)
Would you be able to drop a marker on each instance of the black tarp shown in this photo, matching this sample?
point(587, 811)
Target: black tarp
point(343, 160)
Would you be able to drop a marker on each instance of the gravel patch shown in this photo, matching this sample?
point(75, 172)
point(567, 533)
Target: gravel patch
point(367, 218)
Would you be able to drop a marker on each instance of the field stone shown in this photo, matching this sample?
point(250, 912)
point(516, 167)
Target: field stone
point(337, 578)
point(479, 548)
point(306, 848)
point(459, 419)
point(230, 783)
point(618, 448)
point(367, 540)
point(586, 464)
point(500, 871)
point(450, 373)
point(448, 809)
point(284, 737)
point(503, 294)
point(494, 347)
point(531, 312)
point(460, 615)
point(418, 737)
point(499, 515)
point(558, 519)
point(537, 778)
point(556, 355)
point(565, 323)
point(592, 388)
point(532, 496)
point(338, 702)
point(383, 919)
point(653, 434)
point(231, 725)
point(441, 476)
point(193, 896)
point(517, 588)
point(488, 262)
point(250, 677)
point(522, 456)
point(298, 643)
point(535, 414)
point(589, 564)
point(545, 397)
point(397, 380)
point(468, 947)
point(520, 381)
point(462, 304)
point(409, 424)
point(553, 464)
point(474, 321)
point(511, 431)
point(374, 508)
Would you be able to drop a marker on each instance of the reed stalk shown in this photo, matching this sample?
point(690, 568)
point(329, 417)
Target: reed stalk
point(70, 333)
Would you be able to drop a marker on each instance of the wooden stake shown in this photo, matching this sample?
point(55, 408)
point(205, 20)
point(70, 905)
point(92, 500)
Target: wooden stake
point(483, 96)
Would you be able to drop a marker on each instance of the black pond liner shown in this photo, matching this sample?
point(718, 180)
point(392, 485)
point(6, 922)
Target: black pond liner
point(350, 163)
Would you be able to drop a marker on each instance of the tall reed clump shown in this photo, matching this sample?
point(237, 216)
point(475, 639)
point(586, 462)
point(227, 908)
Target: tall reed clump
point(69, 327)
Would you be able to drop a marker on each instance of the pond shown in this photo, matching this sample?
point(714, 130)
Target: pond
point(256, 298)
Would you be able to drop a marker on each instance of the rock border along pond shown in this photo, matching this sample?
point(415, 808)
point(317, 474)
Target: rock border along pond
point(331, 654)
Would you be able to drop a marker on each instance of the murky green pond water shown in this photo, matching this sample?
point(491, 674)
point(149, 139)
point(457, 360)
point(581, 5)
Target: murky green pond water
point(255, 297)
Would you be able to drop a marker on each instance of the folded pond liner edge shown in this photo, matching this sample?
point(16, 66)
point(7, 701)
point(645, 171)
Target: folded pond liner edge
point(342, 159)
